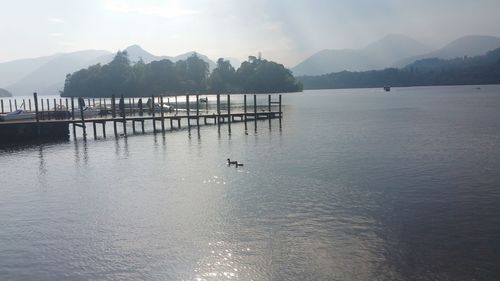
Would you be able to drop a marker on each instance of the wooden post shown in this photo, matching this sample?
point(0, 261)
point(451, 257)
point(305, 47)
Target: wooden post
point(72, 116)
point(130, 106)
point(55, 105)
point(67, 108)
point(10, 105)
point(245, 110)
point(269, 106)
point(279, 109)
point(105, 108)
point(80, 105)
point(104, 129)
point(176, 105)
point(15, 104)
point(255, 107)
point(171, 126)
point(48, 109)
point(1, 101)
point(187, 110)
point(37, 118)
point(153, 112)
point(218, 108)
point(142, 125)
point(124, 119)
point(229, 109)
point(41, 102)
point(113, 113)
point(162, 115)
point(60, 104)
point(197, 110)
point(24, 104)
point(95, 130)
point(245, 106)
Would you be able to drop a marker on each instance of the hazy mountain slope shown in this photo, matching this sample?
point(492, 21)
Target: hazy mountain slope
point(135, 52)
point(5, 93)
point(13, 71)
point(380, 54)
point(471, 45)
point(393, 48)
point(53, 72)
point(184, 56)
point(478, 70)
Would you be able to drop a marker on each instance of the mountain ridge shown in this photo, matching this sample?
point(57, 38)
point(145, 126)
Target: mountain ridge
point(377, 55)
point(469, 45)
point(387, 52)
point(46, 74)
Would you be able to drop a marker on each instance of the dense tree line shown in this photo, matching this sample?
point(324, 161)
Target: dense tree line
point(192, 75)
point(460, 71)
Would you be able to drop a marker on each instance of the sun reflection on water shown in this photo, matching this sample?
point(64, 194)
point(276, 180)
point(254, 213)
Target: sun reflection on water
point(222, 263)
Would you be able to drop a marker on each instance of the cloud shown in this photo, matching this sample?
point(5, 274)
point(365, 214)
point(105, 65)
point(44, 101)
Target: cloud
point(56, 34)
point(170, 9)
point(56, 20)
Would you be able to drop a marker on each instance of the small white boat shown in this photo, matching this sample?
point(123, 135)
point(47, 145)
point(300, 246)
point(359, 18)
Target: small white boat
point(87, 113)
point(17, 115)
point(164, 106)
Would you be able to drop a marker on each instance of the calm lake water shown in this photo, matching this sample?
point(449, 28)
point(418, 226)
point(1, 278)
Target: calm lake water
point(354, 185)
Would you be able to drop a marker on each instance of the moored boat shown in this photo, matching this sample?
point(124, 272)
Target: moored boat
point(17, 115)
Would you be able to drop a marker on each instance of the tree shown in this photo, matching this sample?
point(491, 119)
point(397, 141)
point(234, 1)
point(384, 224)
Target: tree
point(262, 76)
point(223, 78)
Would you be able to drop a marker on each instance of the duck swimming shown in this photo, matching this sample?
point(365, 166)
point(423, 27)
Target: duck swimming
point(238, 164)
point(229, 162)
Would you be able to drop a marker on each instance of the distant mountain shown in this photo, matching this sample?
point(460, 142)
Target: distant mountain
point(5, 93)
point(378, 55)
point(470, 46)
point(211, 63)
point(12, 71)
point(49, 77)
point(478, 70)
point(46, 75)
point(135, 52)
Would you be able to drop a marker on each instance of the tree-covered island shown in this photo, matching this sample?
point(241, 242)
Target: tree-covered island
point(164, 77)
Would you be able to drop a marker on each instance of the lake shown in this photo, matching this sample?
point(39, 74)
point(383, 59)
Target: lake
point(352, 185)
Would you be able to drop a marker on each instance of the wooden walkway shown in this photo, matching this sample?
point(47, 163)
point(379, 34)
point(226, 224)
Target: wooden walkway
point(120, 114)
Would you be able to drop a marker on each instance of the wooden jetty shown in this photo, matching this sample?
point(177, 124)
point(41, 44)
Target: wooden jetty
point(55, 122)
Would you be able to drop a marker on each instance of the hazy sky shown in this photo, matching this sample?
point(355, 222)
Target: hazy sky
point(286, 31)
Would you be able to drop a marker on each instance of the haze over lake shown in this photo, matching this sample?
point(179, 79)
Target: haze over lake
point(352, 185)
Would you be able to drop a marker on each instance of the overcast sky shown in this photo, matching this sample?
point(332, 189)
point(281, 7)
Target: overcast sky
point(286, 31)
